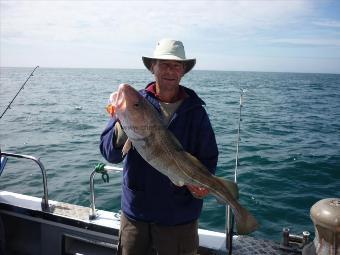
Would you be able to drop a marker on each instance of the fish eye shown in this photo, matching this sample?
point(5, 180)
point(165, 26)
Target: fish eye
point(136, 104)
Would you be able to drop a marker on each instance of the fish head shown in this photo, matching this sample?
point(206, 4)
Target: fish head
point(133, 112)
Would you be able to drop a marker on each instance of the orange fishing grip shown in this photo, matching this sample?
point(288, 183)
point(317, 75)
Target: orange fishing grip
point(110, 109)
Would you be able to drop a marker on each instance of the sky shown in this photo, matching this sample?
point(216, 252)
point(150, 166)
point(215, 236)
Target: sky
point(267, 36)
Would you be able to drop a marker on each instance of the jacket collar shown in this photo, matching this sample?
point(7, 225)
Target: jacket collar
point(191, 99)
point(151, 87)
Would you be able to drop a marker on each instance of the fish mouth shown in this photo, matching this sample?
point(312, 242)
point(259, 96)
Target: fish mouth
point(127, 96)
point(119, 105)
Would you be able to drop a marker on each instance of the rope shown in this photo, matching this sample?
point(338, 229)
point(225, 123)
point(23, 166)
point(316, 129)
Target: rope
point(100, 168)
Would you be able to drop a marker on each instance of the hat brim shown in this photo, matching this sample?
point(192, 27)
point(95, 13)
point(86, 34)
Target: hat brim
point(189, 63)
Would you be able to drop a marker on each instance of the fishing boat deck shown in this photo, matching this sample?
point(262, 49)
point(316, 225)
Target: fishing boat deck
point(67, 229)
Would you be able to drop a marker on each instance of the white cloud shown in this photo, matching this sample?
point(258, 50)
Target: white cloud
point(116, 33)
point(308, 41)
point(327, 23)
point(112, 21)
point(272, 64)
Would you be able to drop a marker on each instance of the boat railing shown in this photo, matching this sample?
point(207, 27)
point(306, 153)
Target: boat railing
point(290, 242)
point(4, 158)
point(104, 170)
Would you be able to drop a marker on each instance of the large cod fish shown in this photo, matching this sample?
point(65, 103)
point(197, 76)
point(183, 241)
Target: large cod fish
point(159, 147)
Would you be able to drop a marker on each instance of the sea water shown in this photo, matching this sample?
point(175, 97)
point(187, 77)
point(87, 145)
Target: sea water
point(289, 149)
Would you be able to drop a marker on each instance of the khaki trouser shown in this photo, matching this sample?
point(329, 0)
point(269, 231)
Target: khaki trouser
point(140, 238)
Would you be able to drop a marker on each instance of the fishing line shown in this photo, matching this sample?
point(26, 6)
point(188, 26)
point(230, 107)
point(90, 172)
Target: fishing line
point(230, 218)
point(23, 85)
point(237, 159)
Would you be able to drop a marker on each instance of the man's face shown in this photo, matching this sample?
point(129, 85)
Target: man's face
point(168, 72)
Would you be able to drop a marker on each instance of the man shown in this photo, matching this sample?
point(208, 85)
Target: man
point(156, 214)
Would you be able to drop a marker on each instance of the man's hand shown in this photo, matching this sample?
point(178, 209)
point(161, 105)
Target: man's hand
point(198, 192)
point(110, 108)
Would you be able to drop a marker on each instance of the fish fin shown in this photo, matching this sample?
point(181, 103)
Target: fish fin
point(127, 146)
point(245, 222)
point(177, 143)
point(176, 182)
point(197, 162)
point(231, 186)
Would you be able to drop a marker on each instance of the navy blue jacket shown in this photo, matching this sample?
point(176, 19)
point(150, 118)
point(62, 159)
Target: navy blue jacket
point(148, 195)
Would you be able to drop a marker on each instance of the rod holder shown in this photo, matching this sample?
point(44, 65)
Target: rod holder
point(292, 241)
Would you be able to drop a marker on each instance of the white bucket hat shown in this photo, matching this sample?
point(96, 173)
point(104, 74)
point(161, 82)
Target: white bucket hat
point(168, 49)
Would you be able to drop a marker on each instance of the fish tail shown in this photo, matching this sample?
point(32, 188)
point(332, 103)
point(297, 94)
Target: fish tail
point(245, 222)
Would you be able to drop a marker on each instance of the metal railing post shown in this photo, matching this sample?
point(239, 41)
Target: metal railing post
point(104, 170)
point(44, 203)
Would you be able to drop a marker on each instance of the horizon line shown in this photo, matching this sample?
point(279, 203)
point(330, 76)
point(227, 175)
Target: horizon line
point(140, 69)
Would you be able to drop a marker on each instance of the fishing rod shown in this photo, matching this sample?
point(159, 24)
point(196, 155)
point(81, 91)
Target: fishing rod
point(23, 85)
point(230, 217)
point(237, 159)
